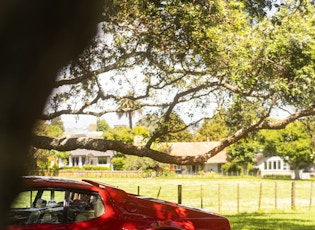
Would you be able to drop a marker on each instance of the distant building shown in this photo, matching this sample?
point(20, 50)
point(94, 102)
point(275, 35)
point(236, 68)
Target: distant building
point(214, 164)
point(81, 157)
point(275, 165)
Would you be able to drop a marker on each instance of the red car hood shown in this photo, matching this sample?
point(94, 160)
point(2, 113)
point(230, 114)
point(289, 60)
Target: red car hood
point(162, 212)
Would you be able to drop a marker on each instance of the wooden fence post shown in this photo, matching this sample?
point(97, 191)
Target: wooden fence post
point(219, 198)
point(260, 195)
point(238, 198)
point(138, 190)
point(276, 197)
point(179, 189)
point(293, 196)
point(201, 196)
point(311, 195)
point(158, 194)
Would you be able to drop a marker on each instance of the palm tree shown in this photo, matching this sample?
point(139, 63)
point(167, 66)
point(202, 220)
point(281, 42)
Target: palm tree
point(129, 108)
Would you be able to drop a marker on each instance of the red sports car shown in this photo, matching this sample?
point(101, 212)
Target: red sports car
point(56, 203)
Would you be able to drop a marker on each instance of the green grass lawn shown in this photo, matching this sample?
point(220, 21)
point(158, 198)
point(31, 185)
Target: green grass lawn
point(249, 202)
point(273, 220)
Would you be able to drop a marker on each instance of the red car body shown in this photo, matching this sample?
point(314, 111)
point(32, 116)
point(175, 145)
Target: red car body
point(49, 203)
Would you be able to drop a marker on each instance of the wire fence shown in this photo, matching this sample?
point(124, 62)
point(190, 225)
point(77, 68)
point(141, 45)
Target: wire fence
point(224, 198)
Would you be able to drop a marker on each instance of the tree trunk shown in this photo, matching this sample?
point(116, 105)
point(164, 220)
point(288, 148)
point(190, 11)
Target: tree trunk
point(130, 119)
point(37, 39)
point(297, 174)
point(245, 169)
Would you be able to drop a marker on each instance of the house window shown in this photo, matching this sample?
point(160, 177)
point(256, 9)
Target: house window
point(279, 165)
point(269, 165)
point(275, 165)
point(265, 165)
point(102, 160)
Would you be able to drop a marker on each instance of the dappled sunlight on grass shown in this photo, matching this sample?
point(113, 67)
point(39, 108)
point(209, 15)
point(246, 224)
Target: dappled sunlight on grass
point(273, 220)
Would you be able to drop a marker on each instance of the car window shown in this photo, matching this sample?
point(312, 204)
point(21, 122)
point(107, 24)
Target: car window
point(55, 206)
point(84, 206)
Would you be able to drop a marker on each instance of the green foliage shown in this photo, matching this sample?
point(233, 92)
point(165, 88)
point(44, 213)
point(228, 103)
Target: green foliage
point(241, 113)
point(46, 129)
point(123, 134)
point(57, 122)
point(212, 130)
point(189, 59)
point(172, 129)
point(135, 163)
point(242, 153)
point(102, 125)
point(139, 163)
point(85, 167)
point(61, 155)
point(70, 168)
point(231, 167)
point(259, 8)
point(293, 144)
point(126, 135)
point(118, 163)
point(277, 177)
point(95, 167)
point(140, 131)
point(150, 122)
point(42, 158)
point(129, 108)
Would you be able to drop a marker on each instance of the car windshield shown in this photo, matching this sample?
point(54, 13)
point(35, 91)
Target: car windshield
point(55, 206)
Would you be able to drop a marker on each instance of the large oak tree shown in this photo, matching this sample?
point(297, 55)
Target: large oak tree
point(196, 59)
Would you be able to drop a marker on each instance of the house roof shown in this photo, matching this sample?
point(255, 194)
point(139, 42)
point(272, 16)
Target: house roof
point(85, 152)
point(196, 148)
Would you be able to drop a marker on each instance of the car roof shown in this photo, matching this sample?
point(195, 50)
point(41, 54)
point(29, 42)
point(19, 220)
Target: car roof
point(44, 181)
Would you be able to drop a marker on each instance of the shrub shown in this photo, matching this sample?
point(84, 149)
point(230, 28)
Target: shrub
point(231, 167)
point(118, 163)
point(277, 177)
point(85, 167)
point(70, 167)
point(93, 167)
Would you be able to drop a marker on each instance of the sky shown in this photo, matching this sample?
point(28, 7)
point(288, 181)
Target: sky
point(74, 123)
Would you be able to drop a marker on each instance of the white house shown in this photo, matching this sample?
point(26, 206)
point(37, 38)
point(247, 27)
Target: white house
point(193, 149)
point(276, 165)
point(81, 157)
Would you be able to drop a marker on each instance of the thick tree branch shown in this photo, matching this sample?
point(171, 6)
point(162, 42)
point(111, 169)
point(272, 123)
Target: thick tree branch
point(258, 126)
point(118, 64)
point(68, 144)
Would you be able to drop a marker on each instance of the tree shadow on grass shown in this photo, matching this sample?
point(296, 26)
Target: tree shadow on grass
point(271, 221)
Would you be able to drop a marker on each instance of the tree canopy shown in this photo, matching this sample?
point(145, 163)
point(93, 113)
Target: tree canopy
point(293, 144)
point(243, 154)
point(244, 60)
point(42, 158)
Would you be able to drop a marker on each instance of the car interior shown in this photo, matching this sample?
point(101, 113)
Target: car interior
point(55, 206)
